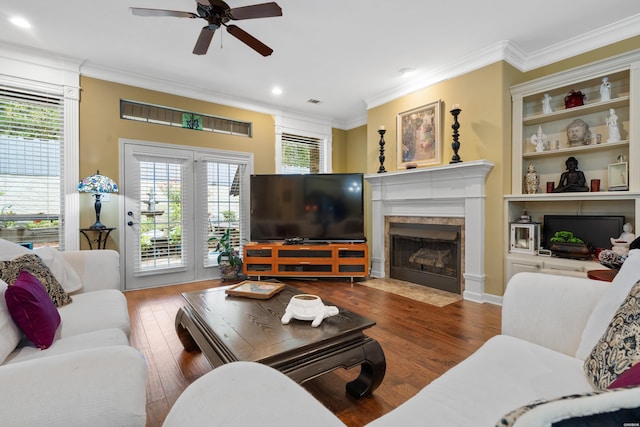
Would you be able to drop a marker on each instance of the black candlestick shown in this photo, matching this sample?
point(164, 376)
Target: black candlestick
point(455, 144)
point(381, 169)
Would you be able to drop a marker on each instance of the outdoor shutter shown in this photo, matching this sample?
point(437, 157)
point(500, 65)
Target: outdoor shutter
point(302, 154)
point(31, 165)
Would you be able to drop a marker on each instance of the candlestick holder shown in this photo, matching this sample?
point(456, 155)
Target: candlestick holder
point(455, 144)
point(381, 169)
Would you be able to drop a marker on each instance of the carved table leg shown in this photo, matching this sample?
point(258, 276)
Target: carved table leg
point(185, 337)
point(372, 371)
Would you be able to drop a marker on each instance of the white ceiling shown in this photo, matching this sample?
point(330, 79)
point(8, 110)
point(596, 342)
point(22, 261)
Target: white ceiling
point(345, 53)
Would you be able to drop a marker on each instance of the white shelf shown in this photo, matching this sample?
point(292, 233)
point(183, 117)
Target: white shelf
point(623, 72)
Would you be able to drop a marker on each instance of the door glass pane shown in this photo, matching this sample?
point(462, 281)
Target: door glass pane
point(223, 206)
point(160, 215)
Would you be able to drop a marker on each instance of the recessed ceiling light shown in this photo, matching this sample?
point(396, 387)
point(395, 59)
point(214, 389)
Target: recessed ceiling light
point(406, 72)
point(20, 22)
point(276, 91)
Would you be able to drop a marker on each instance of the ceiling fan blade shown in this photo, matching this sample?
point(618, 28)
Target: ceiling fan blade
point(141, 11)
point(263, 10)
point(204, 40)
point(249, 40)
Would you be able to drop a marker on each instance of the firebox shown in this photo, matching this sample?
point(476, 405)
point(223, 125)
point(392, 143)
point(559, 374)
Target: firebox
point(426, 254)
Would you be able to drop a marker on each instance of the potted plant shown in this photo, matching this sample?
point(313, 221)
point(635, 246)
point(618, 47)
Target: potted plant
point(229, 260)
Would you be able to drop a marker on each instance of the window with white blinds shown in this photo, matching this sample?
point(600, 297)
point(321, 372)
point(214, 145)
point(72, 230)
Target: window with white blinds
point(302, 154)
point(31, 167)
point(221, 205)
point(161, 186)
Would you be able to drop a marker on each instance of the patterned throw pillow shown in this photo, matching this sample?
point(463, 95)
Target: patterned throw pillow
point(619, 347)
point(10, 270)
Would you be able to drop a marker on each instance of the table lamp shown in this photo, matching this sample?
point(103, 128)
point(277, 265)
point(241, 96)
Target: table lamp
point(97, 184)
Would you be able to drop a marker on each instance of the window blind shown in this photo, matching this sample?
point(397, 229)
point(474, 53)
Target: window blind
point(222, 205)
point(31, 167)
point(302, 154)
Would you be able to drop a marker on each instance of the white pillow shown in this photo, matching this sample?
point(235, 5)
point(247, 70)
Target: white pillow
point(10, 334)
point(62, 271)
point(612, 299)
point(10, 250)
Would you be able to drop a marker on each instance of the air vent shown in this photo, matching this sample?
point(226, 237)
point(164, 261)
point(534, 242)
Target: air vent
point(313, 101)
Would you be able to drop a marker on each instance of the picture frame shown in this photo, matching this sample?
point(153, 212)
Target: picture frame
point(255, 289)
point(419, 138)
point(619, 176)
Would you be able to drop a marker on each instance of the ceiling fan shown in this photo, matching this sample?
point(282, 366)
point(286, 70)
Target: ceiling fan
point(218, 13)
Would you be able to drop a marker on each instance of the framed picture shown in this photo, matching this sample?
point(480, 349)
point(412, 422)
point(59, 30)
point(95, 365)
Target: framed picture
point(255, 289)
point(419, 136)
point(618, 176)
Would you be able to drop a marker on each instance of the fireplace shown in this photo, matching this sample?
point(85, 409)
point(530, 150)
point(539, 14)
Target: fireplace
point(443, 195)
point(426, 254)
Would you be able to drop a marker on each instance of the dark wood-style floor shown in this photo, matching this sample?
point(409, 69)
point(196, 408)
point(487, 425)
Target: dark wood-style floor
point(420, 342)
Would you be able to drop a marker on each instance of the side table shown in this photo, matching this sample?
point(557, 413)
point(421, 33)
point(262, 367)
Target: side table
point(604, 275)
point(100, 236)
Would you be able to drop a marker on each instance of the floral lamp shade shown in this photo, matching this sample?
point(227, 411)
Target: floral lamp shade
point(97, 184)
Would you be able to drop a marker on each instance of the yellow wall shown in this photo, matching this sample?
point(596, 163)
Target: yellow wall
point(101, 128)
point(485, 133)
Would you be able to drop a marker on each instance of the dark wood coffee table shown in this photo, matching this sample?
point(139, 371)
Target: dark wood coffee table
point(228, 328)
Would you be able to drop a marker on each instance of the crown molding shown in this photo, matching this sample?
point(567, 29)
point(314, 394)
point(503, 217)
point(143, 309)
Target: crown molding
point(511, 53)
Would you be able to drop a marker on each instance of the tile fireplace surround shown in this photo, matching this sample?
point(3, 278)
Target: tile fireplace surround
point(455, 191)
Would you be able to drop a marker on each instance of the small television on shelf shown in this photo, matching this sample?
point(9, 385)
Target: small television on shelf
point(307, 208)
point(595, 230)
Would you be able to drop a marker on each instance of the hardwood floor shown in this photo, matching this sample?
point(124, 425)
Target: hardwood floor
point(420, 342)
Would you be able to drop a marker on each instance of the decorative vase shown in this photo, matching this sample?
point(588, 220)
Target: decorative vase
point(574, 99)
point(532, 180)
point(228, 271)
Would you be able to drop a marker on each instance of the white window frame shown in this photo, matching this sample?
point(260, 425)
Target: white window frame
point(34, 72)
point(303, 127)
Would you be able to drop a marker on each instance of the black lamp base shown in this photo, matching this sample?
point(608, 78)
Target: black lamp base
point(98, 207)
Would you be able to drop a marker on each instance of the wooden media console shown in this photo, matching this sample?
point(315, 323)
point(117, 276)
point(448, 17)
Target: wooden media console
point(307, 260)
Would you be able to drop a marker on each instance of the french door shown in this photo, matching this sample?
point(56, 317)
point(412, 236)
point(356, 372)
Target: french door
point(177, 200)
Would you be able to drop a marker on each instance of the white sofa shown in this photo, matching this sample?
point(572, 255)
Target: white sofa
point(90, 375)
point(549, 326)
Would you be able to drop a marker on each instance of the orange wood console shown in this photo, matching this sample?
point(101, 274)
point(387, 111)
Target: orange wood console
point(309, 260)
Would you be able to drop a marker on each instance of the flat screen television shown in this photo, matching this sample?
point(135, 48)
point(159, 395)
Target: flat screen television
point(594, 230)
point(307, 208)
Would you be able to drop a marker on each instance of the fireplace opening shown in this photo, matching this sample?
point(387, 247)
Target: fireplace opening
point(426, 254)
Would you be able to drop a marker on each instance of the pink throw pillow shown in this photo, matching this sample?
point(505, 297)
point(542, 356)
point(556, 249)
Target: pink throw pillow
point(32, 309)
point(630, 377)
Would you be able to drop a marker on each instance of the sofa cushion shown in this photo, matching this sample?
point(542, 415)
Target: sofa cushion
point(10, 334)
point(10, 250)
point(9, 271)
point(604, 311)
point(32, 310)
point(619, 347)
point(95, 310)
point(63, 272)
point(505, 373)
point(86, 341)
point(583, 409)
point(630, 377)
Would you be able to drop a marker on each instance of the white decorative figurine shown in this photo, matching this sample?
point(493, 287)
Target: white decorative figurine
point(308, 307)
point(621, 244)
point(612, 123)
point(540, 140)
point(605, 90)
point(532, 180)
point(546, 104)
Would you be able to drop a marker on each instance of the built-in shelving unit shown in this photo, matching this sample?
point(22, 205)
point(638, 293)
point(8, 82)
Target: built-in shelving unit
point(308, 260)
point(594, 158)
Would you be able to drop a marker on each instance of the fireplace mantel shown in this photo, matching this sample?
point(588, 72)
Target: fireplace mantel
point(453, 191)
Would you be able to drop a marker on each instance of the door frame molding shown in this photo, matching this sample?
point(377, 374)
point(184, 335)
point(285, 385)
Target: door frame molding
point(198, 154)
